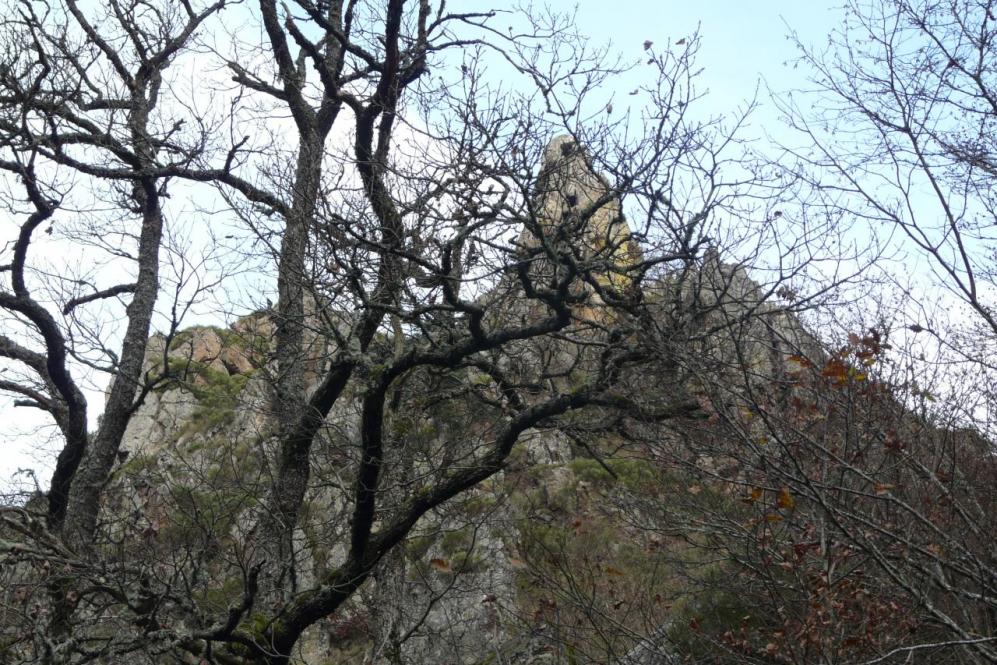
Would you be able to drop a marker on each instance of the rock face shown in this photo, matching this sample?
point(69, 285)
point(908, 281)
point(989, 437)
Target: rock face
point(572, 199)
point(498, 575)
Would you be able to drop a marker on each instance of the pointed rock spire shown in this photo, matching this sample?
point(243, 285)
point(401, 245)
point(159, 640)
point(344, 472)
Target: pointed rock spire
point(573, 201)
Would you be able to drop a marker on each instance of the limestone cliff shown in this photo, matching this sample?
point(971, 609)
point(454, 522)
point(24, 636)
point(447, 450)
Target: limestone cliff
point(479, 580)
point(572, 199)
point(558, 559)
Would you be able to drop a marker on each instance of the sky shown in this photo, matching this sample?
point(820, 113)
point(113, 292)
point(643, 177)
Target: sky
point(743, 44)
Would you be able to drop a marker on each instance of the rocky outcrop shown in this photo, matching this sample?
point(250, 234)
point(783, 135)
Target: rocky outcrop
point(494, 575)
point(572, 199)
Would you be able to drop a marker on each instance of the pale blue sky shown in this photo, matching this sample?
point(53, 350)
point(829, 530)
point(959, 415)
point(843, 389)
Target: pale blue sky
point(742, 42)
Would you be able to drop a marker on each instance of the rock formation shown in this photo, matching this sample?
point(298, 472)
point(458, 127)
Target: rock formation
point(490, 576)
point(572, 200)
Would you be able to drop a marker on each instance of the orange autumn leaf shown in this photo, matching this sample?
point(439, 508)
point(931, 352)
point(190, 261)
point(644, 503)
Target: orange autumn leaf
point(802, 361)
point(785, 499)
point(441, 565)
point(754, 495)
point(836, 370)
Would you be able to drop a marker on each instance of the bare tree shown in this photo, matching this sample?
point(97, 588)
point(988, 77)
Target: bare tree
point(902, 140)
point(860, 485)
point(447, 278)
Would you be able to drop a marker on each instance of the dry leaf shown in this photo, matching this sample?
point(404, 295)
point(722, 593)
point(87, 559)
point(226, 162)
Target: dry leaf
point(785, 499)
point(441, 565)
point(754, 495)
point(802, 361)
